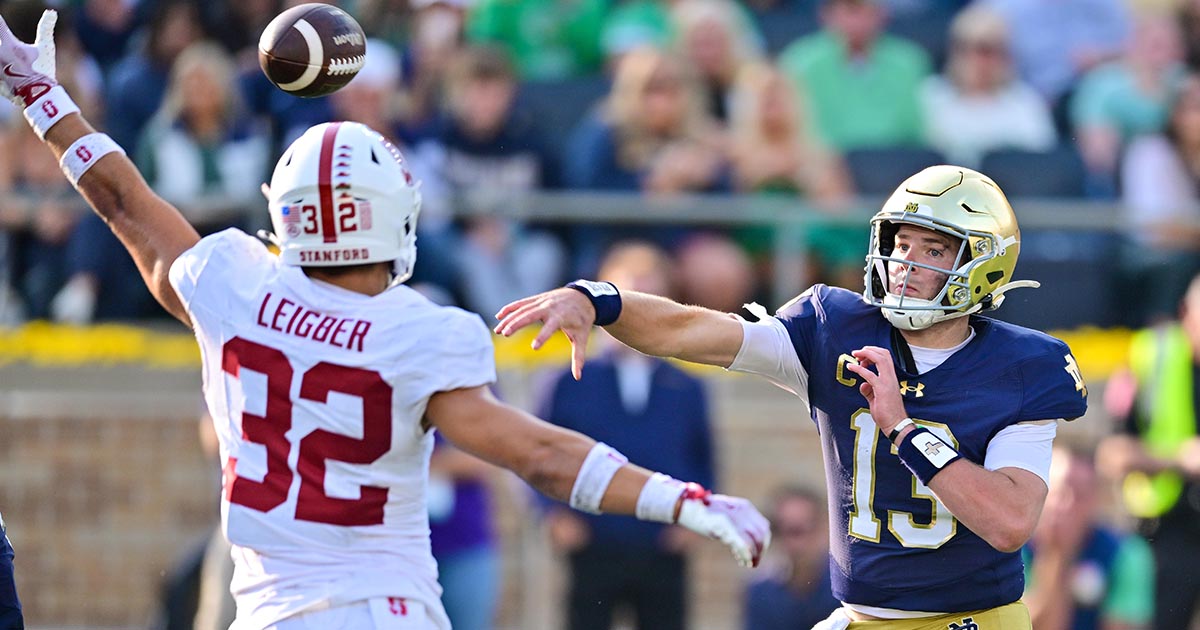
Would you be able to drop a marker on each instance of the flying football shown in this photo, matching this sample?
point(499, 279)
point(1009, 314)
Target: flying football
point(312, 49)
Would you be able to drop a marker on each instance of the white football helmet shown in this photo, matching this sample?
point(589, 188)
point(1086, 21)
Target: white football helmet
point(966, 205)
point(342, 195)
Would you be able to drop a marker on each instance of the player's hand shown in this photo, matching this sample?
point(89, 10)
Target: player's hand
point(563, 309)
point(27, 71)
point(879, 387)
point(731, 520)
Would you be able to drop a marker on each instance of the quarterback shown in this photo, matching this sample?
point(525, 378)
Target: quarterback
point(936, 422)
point(325, 375)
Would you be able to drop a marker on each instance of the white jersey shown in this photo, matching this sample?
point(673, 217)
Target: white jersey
point(317, 394)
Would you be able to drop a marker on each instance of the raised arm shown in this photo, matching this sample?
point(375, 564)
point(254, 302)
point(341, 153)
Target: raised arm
point(153, 231)
point(573, 468)
point(647, 323)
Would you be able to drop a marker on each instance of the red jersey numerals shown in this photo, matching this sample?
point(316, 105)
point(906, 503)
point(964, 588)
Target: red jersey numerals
point(316, 448)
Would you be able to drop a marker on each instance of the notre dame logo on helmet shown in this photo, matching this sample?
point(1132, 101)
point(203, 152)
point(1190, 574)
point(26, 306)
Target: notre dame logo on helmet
point(966, 624)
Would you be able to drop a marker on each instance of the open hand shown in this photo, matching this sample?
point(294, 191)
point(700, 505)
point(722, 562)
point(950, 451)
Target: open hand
point(731, 520)
point(563, 309)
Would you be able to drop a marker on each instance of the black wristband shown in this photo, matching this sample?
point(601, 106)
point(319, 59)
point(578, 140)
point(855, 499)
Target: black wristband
point(604, 296)
point(895, 432)
point(925, 454)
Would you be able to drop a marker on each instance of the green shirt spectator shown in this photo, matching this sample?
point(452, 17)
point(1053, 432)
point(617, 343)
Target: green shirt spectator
point(635, 24)
point(860, 102)
point(1110, 96)
point(548, 39)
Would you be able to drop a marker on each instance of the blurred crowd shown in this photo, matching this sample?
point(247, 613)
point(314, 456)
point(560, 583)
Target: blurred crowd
point(824, 101)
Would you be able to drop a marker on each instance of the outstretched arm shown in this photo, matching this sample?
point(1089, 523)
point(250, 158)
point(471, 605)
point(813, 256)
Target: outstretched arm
point(555, 461)
point(647, 323)
point(153, 231)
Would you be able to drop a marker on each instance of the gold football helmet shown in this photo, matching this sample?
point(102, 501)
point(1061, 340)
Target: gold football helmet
point(964, 204)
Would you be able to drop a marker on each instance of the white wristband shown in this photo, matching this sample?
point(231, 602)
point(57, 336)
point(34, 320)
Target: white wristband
point(85, 152)
point(50, 108)
point(598, 469)
point(658, 498)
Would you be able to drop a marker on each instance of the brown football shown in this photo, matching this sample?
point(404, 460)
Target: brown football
point(312, 49)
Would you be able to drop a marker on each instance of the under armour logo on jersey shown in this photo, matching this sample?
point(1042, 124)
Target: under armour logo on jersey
point(399, 607)
point(966, 624)
point(917, 390)
point(931, 449)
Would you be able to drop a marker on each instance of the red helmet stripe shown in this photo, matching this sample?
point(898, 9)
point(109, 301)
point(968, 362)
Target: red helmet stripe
point(324, 185)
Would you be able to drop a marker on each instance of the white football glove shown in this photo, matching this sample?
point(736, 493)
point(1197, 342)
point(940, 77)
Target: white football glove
point(27, 71)
point(731, 520)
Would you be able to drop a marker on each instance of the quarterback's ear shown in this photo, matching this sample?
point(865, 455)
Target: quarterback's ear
point(266, 191)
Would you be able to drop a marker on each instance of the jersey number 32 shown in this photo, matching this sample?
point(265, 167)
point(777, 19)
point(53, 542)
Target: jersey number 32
point(270, 430)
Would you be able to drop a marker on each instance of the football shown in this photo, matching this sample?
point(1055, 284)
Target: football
point(312, 49)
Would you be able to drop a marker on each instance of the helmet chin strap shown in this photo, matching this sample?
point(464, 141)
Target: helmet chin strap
point(922, 319)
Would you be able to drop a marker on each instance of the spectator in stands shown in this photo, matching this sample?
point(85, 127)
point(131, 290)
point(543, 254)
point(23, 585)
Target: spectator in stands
point(793, 591)
point(1155, 453)
point(774, 149)
point(654, 413)
point(634, 24)
point(238, 24)
point(388, 20)
point(979, 104)
point(435, 35)
point(1054, 42)
point(460, 530)
point(715, 272)
point(104, 26)
point(1125, 98)
point(860, 82)
point(1189, 25)
point(201, 153)
point(651, 134)
point(372, 98)
point(1160, 177)
point(137, 83)
point(1079, 573)
point(718, 39)
point(485, 150)
point(548, 39)
point(773, 146)
point(38, 216)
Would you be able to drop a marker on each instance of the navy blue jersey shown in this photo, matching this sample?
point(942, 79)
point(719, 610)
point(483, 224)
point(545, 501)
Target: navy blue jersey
point(893, 545)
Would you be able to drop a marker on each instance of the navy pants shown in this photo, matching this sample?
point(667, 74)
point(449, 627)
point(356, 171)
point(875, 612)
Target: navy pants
point(10, 606)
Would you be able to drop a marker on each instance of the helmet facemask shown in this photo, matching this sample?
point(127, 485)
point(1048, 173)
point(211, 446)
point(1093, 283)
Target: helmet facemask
point(909, 312)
